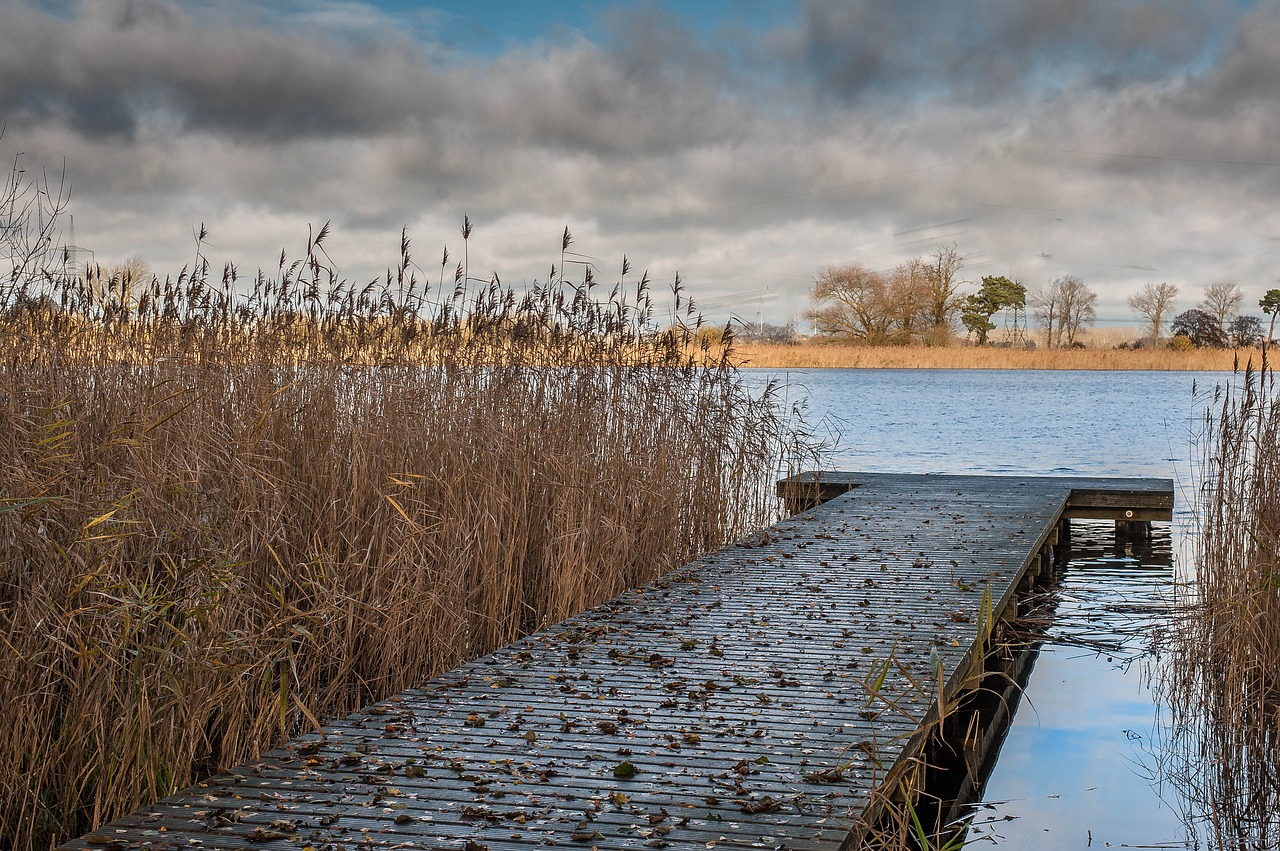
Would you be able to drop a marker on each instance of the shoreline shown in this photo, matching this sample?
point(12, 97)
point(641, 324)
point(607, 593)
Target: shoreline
point(829, 356)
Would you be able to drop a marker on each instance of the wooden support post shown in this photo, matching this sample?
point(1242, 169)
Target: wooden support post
point(1133, 530)
point(1010, 611)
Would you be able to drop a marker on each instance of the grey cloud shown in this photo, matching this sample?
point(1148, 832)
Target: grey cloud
point(650, 90)
point(1247, 78)
point(114, 65)
point(980, 50)
point(126, 65)
point(580, 99)
point(651, 46)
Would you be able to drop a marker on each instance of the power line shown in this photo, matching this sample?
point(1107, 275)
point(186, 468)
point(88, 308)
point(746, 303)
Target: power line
point(932, 227)
point(1018, 207)
point(779, 198)
point(1169, 159)
point(938, 238)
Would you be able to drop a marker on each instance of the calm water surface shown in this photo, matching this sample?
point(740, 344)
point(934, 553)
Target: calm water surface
point(1080, 767)
point(1002, 421)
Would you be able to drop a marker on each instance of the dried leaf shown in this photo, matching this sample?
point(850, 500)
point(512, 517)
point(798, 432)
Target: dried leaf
point(764, 805)
point(825, 775)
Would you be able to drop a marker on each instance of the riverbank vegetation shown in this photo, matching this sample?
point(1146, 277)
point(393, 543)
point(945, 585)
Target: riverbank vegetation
point(830, 355)
point(1224, 685)
point(233, 509)
point(920, 305)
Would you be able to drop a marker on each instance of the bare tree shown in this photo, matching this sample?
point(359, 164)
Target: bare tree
point(915, 303)
point(1222, 301)
point(130, 277)
point(851, 303)
point(942, 281)
point(1063, 307)
point(1153, 301)
point(1047, 311)
point(132, 268)
point(1079, 306)
point(120, 284)
point(31, 208)
point(907, 293)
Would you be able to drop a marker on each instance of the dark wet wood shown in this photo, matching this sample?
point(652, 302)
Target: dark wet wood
point(1097, 498)
point(740, 688)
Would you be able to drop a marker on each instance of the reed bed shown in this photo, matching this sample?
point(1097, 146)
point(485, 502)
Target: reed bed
point(820, 355)
point(1224, 678)
point(231, 510)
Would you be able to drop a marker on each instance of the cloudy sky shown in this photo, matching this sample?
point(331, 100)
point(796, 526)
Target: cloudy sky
point(745, 143)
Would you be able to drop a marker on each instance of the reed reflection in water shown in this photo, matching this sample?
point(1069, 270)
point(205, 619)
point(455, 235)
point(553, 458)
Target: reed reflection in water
point(1083, 762)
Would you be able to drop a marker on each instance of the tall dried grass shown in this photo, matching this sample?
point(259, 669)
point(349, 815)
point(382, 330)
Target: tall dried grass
point(1224, 680)
point(231, 510)
point(816, 356)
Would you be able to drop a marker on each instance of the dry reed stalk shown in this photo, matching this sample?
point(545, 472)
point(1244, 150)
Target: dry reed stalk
point(229, 512)
point(904, 811)
point(819, 355)
point(1224, 680)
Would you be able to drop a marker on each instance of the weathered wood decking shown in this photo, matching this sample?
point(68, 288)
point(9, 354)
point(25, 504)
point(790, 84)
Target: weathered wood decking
point(740, 690)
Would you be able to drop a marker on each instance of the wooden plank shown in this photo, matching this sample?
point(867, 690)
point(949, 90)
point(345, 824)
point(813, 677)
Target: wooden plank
point(1099, 498)
point(1093, 512)
point(730, 685)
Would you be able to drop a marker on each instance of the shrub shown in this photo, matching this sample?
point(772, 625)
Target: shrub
point(1200, 328)
point(1245, 331)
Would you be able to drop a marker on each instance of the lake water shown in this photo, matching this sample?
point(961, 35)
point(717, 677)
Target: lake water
point(1003, 421)
point(1081, 764)
point(1080, 767)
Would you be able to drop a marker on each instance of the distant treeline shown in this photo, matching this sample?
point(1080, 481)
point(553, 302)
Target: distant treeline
point(921, 303)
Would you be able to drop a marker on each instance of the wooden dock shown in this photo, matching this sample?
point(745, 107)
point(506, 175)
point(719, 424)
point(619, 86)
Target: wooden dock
point(756, 698)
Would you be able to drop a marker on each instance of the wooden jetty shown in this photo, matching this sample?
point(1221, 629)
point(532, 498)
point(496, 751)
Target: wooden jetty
point(763, 696)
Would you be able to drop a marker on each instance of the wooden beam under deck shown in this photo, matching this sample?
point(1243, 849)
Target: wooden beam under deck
point(1087, 497)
